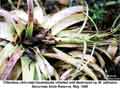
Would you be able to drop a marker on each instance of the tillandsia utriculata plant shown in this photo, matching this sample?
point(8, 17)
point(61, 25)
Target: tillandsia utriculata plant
point(35, 45)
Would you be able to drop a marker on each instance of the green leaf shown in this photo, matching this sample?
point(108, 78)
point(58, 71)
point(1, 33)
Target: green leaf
point(6, 32)
point(6, 52)
point(89, 72)
point(13, 20)
point(100, 59)
point(21, 15)
point(113, 48)
point(29, 29)
point(64, 57)
point(68, 45)
point(104, 52)
point(2, 43)
point(11, 63)
point(18, 25)
point(46, 69)
point(78, 63)
point(28, 68)
point(98, 69)
point(61, 15)
point(66, 74)
point(16, 72)
point(66, 22)
point(80, 55)
point(38, 74)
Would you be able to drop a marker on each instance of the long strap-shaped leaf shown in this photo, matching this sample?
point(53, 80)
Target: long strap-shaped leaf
point(29, 29)
point(63, 57)
point(6, 52)
point(69, 59)
point(11, 63)
point(6, 32)
point(45, 68)
point(28, 68)
point(6, 15)
point(20, 14)
point(62, 14)
point(39, 15)
point(16, 72)
point(42, 67)
point(13, 20)
point(68, 21)
point(38, 74)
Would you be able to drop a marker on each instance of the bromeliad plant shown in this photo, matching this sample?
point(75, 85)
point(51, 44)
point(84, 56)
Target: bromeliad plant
point(30, 42)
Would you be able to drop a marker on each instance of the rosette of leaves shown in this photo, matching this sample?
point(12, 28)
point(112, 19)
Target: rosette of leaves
point(30, 43)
